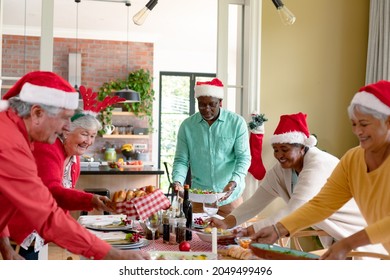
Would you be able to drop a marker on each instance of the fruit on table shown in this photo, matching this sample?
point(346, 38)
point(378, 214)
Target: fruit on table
point(200, 221)
point(113, 164)
point(135, 162)
point(184, 246)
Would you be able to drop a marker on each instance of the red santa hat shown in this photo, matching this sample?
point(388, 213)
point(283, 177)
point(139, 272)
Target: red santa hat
point(292, 129)
point(213, 88)
point(374, 96)
point(45, 88)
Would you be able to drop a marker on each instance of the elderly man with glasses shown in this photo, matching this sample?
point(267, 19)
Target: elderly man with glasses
point(214, 145)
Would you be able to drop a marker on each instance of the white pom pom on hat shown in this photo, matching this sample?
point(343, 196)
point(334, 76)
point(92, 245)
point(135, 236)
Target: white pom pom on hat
point(45, 88)
point(293, 129)
point(213, 88)
point(3, 105)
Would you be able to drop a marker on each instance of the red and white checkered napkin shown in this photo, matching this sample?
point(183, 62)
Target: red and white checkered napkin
point(144, 206)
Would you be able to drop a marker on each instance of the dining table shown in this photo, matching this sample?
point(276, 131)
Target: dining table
point(197, 244)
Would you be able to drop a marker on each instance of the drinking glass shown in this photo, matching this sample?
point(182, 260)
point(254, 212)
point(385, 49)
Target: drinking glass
point(153, 222)
point(211, 205)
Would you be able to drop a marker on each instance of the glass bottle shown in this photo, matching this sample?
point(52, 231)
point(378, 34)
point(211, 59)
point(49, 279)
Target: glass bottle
point(172, 231)
point(165, 222)
point(175, 206)
point(181, 230)
point(181, 209)
point(187, 209)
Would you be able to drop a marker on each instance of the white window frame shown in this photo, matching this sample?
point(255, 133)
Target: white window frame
point(248, 55)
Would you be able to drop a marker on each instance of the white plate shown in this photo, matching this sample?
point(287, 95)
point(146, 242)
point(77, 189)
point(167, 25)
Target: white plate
point(143, 242)
point(199, 226)
point(206, 237)
point(169, 255)
point(200, 198)
point(109, 227)
point(104, 222)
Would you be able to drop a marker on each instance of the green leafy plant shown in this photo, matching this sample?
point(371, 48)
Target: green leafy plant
point(257, 120)
point(140, 81)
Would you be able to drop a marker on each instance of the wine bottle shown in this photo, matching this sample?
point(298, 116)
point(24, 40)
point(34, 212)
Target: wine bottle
point(187, 209)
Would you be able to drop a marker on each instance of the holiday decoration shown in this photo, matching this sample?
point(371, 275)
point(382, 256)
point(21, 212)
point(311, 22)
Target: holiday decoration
point(256, 127)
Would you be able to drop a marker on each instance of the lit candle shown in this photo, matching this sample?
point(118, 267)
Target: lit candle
point(214, 240)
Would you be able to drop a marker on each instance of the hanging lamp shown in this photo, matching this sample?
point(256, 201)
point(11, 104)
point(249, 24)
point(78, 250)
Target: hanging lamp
point(130, 95)
point(140, 17)
point(286, 16)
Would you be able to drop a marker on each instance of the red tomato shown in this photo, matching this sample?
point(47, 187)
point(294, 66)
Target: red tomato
point(184, 246)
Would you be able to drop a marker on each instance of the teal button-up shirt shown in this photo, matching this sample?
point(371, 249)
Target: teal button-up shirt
point(217, 154)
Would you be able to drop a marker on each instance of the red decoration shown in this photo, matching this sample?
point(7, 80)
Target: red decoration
point(92, 104)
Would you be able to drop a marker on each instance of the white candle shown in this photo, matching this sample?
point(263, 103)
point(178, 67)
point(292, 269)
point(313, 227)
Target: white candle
point(214, 240)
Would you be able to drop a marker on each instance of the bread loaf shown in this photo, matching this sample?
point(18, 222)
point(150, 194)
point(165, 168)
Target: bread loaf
point(139, 193)
point(130, 195)
point(240, 253)
point(119, 196)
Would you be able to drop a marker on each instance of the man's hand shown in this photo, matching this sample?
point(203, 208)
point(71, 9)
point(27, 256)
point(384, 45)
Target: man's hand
point(102, 203)
point(229, 188)
point(115, 254)
point(7, 252)
point(178, 188)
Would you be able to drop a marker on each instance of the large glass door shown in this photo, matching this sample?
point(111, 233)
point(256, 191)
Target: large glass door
point(177, 102)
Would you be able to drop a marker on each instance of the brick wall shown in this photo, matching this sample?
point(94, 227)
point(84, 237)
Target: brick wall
point(102, 60)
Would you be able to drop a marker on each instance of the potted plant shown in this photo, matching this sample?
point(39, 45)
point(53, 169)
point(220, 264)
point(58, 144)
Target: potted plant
point(140, 81)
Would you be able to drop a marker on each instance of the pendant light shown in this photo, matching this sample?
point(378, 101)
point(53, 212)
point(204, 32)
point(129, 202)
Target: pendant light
point(140, 17)
point(130, 95)
point(286, 16)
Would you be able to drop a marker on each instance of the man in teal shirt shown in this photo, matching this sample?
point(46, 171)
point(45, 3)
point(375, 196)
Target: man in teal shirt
point(214, 143)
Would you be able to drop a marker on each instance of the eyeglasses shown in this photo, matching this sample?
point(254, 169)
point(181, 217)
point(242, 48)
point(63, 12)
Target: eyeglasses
point(211, 105)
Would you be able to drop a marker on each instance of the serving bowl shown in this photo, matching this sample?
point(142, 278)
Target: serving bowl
point(200, 197)
point(223, 236)
point(243, 241)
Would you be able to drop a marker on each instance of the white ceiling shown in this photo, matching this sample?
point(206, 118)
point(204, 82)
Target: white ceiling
point(184, 32)
point(101, 19)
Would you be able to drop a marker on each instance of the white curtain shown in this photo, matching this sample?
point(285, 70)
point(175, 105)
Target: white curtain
point(378, 54)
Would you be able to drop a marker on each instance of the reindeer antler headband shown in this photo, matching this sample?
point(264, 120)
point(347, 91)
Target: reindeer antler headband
point(92, 106)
